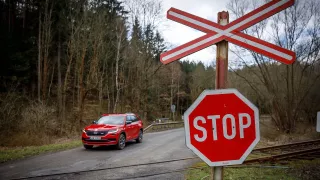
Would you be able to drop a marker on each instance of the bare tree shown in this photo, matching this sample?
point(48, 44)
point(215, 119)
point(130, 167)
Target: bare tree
point(39, 56)
point(149, 12)
point(46, 44)
point(120, 30)
point(296, 28)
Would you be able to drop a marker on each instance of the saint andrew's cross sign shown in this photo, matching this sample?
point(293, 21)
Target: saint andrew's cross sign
point(230, 32)
point(222, 126)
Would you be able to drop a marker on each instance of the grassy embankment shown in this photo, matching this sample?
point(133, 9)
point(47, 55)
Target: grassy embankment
point(13, 153)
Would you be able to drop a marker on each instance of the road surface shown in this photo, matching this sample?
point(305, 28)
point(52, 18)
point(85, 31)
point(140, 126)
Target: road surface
point(159, 146)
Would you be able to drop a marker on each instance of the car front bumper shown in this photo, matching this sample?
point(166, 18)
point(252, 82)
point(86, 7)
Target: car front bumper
point(109, 139)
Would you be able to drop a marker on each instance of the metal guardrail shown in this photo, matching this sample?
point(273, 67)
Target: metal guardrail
point(167, 125)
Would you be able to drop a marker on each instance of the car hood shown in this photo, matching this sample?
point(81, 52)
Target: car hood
point(102, 127)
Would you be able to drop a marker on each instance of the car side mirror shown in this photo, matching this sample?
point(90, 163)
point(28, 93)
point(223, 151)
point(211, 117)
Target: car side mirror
point(94, 122)
point(128, 122)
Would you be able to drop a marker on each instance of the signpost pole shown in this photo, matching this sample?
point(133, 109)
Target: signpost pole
point(222, 55)
point(173, 110)
point(221, 76)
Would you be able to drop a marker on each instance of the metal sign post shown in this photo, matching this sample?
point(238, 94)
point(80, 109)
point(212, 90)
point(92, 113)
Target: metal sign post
point(221, 76)
point(173, 110)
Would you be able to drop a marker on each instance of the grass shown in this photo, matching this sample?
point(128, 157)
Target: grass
point(296, 171)
point(7, 154)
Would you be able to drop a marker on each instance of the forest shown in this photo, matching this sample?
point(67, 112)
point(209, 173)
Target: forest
point(64, 63)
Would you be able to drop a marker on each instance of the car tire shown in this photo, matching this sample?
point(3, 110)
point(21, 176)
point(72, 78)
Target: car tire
point(121, 142)
point(140, 137)
point(88, 146)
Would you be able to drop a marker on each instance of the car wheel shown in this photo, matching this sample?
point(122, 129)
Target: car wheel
point(140, 137)
point(121, 142)
point(88, 146)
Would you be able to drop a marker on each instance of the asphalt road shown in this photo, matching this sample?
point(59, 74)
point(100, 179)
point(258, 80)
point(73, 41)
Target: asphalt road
point(159, 146)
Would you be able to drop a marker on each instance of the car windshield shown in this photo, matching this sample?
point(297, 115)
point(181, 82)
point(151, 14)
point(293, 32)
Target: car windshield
point(114, 120)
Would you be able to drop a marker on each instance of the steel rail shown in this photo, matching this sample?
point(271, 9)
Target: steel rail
point(303, 143)
point(283, 156)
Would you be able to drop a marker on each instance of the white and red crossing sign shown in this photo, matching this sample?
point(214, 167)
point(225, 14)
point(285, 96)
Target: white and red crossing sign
point(230, 32)
point(222, 127)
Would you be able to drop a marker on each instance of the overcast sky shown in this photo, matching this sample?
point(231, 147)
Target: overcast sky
point(177, 34)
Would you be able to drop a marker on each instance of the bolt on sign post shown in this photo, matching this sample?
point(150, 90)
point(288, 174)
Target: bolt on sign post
point(222, 126)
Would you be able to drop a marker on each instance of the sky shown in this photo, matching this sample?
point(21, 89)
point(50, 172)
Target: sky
point(177, 34)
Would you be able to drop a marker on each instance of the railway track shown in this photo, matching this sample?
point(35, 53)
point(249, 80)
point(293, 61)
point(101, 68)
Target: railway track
point(301, 150)
point(288, 147)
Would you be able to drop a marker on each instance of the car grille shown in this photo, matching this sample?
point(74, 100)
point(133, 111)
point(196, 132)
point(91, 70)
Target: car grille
point(102, 140)
point(96, 133)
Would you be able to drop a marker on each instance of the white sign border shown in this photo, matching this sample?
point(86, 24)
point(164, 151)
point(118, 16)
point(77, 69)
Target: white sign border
point(187, 128)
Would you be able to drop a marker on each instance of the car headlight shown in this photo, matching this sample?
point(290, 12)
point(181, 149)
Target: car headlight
point(83, 130)
point(113, 130)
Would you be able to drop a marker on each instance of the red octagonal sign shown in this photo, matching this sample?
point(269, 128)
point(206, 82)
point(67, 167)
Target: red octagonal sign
point(222, 127)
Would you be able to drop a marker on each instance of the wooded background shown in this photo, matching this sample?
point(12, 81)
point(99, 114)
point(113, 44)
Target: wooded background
point(66, 62)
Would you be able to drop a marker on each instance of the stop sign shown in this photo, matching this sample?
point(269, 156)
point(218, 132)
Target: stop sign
point(222, 127)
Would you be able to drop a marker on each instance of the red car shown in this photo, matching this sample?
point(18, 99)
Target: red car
point(113, 129)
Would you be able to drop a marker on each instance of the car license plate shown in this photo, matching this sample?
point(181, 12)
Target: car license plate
point(95, 138)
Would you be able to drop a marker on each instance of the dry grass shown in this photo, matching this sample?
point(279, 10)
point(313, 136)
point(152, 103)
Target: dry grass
point(270, 135)
point(13, 153)
point(36, 124)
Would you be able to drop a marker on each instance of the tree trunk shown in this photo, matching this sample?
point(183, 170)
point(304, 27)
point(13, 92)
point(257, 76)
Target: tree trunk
point(39, 57)
point(50, 85)
point(82, 88)
point(45, 46)
point(24, 14)
point(117, 72)
point(171, 91)
point(112, 86)
point(107, 88)
point(47, 40)
point(60, 106)
point(178, 103)
point(101, 89)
